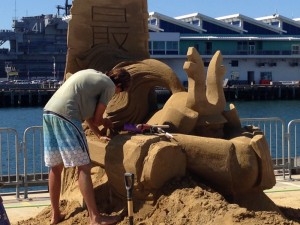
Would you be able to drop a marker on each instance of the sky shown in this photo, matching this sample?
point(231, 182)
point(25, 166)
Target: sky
point(213, 8)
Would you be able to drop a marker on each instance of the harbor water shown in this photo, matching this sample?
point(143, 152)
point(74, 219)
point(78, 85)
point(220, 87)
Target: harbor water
point(20, 118)
point(284, 109)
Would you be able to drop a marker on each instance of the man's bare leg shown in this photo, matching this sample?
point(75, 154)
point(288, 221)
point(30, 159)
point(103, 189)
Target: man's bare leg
point(54, 191)
point(87, 191)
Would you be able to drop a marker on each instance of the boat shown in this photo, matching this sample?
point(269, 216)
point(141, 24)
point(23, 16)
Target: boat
point(37, 46)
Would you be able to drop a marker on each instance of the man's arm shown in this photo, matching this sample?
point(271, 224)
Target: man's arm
point(98, 120)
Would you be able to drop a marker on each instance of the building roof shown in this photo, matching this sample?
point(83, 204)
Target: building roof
point(161, 17)
point(277, 17)
point(297, 19)
point(154, 28)
point(242, 21)
point(239, 38)
point(281, 22)
point(198, 16)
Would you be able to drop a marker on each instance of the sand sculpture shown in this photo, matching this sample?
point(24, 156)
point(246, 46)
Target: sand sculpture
point(208, 140)
point(102, 33)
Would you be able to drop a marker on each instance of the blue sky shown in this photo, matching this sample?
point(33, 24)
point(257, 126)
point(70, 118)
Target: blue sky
point(212, 8)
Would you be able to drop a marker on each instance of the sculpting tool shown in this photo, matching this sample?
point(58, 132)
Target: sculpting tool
point(129, 181)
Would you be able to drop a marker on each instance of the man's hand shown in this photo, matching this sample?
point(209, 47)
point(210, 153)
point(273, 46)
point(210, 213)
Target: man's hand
point(104, 139)
point(107, 123)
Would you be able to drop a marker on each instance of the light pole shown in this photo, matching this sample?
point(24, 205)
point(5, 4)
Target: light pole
point(28, 44)
point(54, 72)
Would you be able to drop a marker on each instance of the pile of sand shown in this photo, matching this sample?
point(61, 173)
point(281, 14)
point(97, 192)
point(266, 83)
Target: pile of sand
point(184, 201)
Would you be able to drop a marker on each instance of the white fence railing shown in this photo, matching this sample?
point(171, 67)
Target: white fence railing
point(293, 136)
point(9, 158)
point(274, 131)
point(35, 172)
point(21, 162)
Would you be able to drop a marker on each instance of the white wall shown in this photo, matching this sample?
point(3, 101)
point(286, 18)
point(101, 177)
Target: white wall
point(281, 72)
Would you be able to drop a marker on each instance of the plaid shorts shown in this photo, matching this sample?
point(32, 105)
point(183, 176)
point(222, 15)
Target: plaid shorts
point(64, 141)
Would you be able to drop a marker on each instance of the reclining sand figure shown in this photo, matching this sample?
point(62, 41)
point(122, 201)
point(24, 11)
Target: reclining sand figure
point(234, 160)
point(208, 140)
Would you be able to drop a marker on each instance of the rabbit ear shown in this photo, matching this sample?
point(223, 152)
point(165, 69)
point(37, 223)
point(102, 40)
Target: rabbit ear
point(214, 83)
point(205, 93)
point(194, 69)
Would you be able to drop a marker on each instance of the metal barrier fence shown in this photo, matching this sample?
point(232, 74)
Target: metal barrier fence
point(293, 135)
point(284, 149)
point(22, 163)
point(9, 158)
point(33, 149)
point(274, 131)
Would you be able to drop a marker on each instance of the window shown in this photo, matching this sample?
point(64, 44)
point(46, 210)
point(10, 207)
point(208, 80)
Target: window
point(159, 48)
point(293, 63)
point(158, 45)
point(150, 47)
point(246, 47)
point(236, 23)
point(266, 75)
point(152, 21)
point(208, 48)
point(164, 48)
point(172, 47)
point(275, 23)
point(242, 47)
point(234, 63)
point(196, 22)
point(251, 48)
point(295, 49)
point(234, 75)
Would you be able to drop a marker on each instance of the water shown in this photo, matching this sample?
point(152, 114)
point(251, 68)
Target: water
point(21, 118)
point(286, 110)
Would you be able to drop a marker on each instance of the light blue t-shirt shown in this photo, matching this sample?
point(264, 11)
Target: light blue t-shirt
point(78, 97)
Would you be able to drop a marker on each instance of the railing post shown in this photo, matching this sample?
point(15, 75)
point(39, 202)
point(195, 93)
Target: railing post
point(292, 123)
point(283, 146)
point(34, 152)
point(17, 166)
point(25, 166)
point(9, 156)
point(288, 139)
